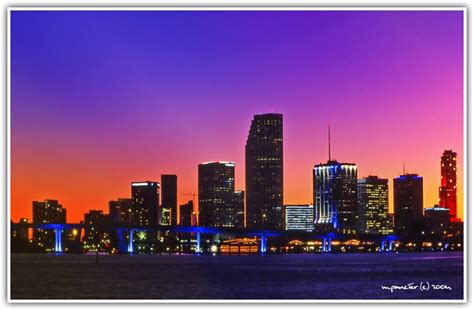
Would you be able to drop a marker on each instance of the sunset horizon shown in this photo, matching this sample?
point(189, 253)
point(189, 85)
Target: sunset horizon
point(96, 105)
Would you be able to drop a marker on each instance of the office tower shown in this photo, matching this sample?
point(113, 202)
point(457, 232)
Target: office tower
point(185, 213)
point(169, 199)
point(372, 197)
point(120, 211)
point(264, 172)
point(48, 211)
point(335, 196)
point(408, 203)
point(299, 217)
point(216, 191)
point(448, 190)
point(239, 201)
point(145, 198)
point(97, 235)
point(437, 220)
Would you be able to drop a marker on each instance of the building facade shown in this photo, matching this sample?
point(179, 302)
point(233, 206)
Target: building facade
point(408, 203)
point(47, 211)
point(372, 199)
point(448, 188)
point(264, 172)
point(299, 217)
point(437, 220)
point(120, 211)
point(239, 201)
point(97, 235)
point(216, 191)
point(145, 198)
point(185, 213)
point(335, 196)
point(169, 199)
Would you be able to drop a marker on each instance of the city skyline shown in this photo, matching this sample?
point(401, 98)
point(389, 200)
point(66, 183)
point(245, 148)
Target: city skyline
point(82, 144)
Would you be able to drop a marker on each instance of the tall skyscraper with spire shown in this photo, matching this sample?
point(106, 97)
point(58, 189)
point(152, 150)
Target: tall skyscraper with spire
point(335, 194)
point(448, 188)
point(264, 172)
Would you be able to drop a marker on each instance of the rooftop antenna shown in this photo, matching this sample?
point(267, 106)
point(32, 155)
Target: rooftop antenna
point(404, 171)
point(329, 141)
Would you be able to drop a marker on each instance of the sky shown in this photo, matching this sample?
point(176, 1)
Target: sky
point(101, 99)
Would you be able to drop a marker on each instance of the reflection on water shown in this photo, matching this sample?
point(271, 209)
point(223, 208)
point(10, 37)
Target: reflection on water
point(312, 276)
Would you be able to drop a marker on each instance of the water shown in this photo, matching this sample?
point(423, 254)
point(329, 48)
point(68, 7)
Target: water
point(291, 276)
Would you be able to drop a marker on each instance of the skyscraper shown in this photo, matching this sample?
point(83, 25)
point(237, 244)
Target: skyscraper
point(169, 198)
point(216, 194)
point(408, 203)
point(437, 220)
point(145, 197)
point(264, 172)
point(239, 201)
point(299, 217)
point(120, 211)
point(185, 213)
point(48, 211)
point(335, 195)
point(448, 190)
point(372, 196)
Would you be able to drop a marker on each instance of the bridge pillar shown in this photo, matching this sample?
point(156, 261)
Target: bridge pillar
point(130, 241)
point(58, 240)
point(390, 245)
point(122, 242)
point(198, 242)
point(382, 246)
point(263, 244)
point(329, 244)
point(324, 245)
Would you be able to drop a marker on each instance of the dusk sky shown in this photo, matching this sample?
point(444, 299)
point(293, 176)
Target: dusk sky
point(101, 99)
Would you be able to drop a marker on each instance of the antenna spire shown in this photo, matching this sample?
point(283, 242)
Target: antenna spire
point(404, 171)
point(329, 141)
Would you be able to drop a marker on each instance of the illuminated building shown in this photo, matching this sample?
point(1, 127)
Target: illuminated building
point(96, 233)
point(185, 213)
point(48, 211)
point(299, 217)
point(447, 190)
point(437, 220)
point(239, 246)
point(216, 194)
point(335, 195)
point(372, 196)
point(408, 203)
point(264, 172)
point(145, 197)
point(169, 199)
point(120, 211)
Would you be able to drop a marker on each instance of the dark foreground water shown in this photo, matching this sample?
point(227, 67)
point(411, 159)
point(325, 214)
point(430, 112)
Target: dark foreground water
point(312, 276)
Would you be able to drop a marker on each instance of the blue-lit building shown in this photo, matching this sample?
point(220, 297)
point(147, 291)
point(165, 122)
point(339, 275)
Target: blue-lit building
point(408, 203)
point(299, 217)
point(335, 196)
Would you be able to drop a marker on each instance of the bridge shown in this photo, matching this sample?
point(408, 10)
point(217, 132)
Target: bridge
point(385, 241)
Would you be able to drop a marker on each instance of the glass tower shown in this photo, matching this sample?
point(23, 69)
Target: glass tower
point(264, 172)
